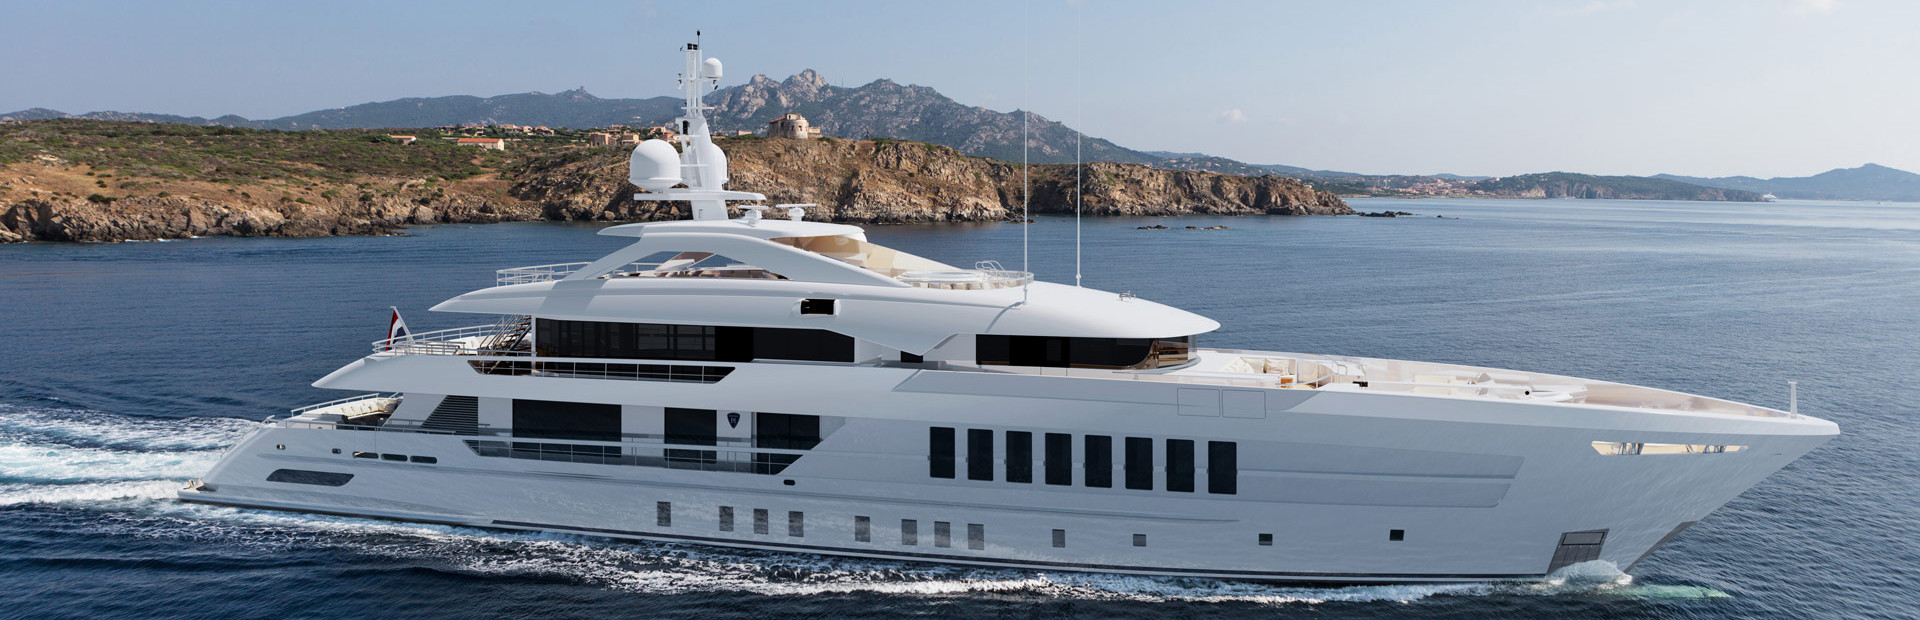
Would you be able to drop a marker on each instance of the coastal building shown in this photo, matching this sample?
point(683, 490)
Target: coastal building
point(402, 139)
point(485, 143)
point(629, 140)
point(599, 138)
point(792, 126)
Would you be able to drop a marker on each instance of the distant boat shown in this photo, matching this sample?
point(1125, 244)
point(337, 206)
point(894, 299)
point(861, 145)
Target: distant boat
point(1768, 198)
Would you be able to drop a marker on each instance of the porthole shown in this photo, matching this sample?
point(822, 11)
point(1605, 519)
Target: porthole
point(280, 446)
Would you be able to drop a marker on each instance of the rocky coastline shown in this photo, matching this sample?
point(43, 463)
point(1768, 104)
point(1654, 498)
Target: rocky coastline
point(857, 181)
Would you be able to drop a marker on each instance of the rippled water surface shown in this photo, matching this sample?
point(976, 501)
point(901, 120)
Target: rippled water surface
point(128, 368)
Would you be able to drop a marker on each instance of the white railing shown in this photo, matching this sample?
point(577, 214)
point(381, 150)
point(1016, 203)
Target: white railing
point(985, 275)
point(536, 273)
point(474, 340)
point(370, 403)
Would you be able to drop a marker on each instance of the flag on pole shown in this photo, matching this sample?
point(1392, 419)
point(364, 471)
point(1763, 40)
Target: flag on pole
point(396, 328)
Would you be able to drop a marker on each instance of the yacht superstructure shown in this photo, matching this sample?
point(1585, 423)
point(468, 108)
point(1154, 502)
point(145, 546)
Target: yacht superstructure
point(774, 383)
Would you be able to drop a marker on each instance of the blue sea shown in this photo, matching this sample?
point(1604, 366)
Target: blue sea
point(125, 369)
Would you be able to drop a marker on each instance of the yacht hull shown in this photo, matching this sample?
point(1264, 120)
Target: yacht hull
point(1338, 487)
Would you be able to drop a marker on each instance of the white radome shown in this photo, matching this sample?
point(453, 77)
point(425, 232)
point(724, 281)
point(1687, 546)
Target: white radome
point(654, 166)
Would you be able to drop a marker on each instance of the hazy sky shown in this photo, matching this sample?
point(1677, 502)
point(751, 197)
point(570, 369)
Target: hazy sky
point(1761, 87)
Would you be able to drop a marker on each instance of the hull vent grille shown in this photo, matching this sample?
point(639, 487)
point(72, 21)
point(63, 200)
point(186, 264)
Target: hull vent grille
point(459, 415)
point(1577, 547)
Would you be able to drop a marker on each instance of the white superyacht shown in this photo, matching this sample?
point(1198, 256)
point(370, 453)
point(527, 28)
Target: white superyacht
point(773, 383)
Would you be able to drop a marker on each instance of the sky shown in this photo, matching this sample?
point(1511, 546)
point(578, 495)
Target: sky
point(1487, 87)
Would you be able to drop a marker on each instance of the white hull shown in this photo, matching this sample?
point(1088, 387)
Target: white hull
point(1482, 489)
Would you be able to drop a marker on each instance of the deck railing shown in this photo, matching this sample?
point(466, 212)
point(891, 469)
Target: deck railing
point(536, 273)
point(473, 340)
point(349, 399)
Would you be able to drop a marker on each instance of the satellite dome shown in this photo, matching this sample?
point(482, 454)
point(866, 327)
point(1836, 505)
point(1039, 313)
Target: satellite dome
point(710, 69)
point(655, 166)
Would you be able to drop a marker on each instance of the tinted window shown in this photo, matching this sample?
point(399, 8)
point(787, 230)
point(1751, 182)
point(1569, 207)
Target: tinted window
point(691, 427)
point(558, 338)
point(1180, 465)
point(784, 431)
point(1099, 455)
point(940, 452)
point(1059, 458)
point(1019, 456)
point(1139, 463)
point(816, 306)
point(550, 419)
point(979, 454)
point(813, 345)
point(1061, 352)
point(1223, 468)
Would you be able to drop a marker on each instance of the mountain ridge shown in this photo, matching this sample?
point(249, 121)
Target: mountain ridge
point(1866, 182)
point(888, 109)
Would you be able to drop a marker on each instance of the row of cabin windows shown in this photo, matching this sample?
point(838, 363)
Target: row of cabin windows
point(1223, 469)
point(655, 341)
point(1062, 352)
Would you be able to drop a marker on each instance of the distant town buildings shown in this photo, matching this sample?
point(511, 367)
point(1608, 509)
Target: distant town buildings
point(792, 126)
point(402, 139)
point(485, 143)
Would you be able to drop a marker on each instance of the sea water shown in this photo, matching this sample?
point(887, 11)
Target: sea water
point(125, 369)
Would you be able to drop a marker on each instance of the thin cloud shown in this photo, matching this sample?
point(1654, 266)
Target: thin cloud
point(1233, 115)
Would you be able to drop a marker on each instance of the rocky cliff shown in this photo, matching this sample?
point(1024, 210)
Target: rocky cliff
point(895, 182)
point(70, 186)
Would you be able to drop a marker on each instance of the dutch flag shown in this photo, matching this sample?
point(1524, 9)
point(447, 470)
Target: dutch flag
point(396, 328)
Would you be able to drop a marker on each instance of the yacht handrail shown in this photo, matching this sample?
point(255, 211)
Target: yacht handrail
point(984, 275)
point(535, 273)
point(342, 401)
point(470, 340)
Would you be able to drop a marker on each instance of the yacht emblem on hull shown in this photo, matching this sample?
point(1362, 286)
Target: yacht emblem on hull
point(733, 419)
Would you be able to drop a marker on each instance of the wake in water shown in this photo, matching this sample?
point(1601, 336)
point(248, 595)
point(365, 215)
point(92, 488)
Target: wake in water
point(130, 467)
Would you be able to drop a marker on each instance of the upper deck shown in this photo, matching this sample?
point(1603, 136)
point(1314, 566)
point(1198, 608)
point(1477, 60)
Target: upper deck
point(1229, 368)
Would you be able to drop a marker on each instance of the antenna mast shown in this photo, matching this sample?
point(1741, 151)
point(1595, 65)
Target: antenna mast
point(702, 166)
point(1077, 164)
point(1026, 187)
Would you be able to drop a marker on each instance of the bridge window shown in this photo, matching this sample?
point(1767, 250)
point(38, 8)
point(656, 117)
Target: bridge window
point(1062, 352)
